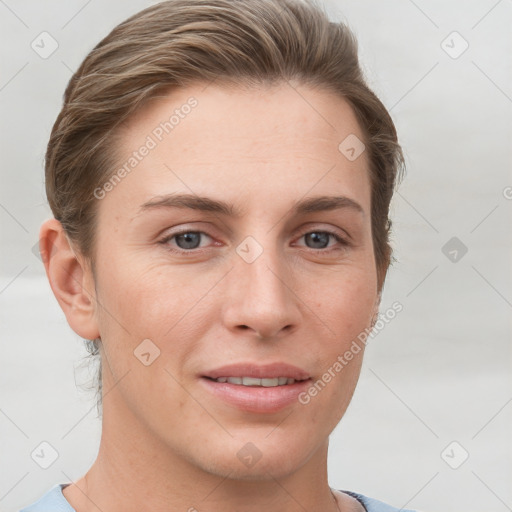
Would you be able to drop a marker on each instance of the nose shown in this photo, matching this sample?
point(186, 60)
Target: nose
point(261, 300)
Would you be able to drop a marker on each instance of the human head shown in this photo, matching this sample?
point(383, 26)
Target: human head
point(182, 42)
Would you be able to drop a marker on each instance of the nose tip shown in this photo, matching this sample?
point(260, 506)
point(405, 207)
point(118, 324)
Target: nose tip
point(261, 302)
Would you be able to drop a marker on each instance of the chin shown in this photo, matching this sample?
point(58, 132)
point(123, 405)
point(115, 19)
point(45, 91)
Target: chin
point(258, 461)
point(267, 470)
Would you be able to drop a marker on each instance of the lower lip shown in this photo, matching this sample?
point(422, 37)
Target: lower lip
point(256, 399)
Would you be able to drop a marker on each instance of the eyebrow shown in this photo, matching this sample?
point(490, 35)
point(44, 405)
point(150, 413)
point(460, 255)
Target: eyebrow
point(206, 204)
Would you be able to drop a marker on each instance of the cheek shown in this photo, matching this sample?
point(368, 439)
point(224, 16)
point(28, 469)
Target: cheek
point(134, 291)
point(346, 305)
point(156, 302)
point(346, 308)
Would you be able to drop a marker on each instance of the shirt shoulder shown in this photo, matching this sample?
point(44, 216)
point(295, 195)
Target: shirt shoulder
point(373, 505)
point(53, 500)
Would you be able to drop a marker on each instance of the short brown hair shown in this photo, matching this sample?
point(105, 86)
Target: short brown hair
point(180, 42)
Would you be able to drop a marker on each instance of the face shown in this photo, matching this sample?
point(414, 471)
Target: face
point(238, 244)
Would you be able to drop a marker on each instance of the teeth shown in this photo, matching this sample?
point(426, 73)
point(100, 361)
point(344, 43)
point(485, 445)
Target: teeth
point(253, 381)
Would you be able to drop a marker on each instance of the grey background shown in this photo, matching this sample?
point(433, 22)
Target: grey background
point(438, 373)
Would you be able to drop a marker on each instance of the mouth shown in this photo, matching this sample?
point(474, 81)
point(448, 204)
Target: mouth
point(254, 381)
point(257, 388)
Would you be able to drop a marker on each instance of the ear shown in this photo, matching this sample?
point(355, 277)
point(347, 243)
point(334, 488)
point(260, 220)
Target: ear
point(375, 311)
point(70, 278)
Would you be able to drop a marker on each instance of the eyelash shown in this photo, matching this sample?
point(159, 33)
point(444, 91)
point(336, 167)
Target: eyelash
point(344, 243)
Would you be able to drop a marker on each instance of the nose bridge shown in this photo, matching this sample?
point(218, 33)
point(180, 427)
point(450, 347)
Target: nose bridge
point(261, 298)
point(264, 277)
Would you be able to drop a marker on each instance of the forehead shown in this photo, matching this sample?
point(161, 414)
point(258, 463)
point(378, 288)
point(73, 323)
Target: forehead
point(217, 139)
point(268, 110)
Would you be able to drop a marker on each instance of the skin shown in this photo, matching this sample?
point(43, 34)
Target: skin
point(167, 443)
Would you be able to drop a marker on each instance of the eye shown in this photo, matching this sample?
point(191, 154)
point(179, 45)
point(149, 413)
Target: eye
point(321, 239)
point(186, 240)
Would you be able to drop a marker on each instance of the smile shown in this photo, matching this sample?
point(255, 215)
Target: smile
point(254, 381)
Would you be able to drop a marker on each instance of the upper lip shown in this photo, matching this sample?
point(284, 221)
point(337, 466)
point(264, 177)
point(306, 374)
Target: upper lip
point(259, 371)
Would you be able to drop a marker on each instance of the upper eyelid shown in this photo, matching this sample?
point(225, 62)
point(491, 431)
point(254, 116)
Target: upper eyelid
point(307, 229)
point(339, 232)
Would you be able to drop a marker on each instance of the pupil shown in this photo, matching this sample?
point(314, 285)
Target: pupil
point(189, 240)
point(319, 240)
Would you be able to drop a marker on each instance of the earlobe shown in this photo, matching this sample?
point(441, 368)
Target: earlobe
point(70, 278)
